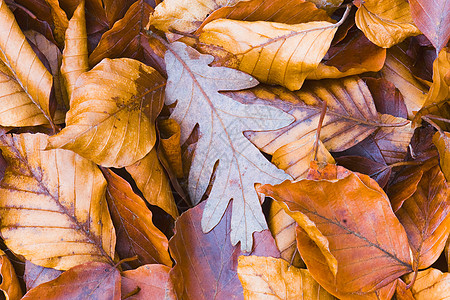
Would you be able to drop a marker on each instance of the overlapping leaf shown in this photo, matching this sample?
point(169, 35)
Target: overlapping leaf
point(442, 142)
point(106, 121)
point(52, 205)
point(35, 275)
point(10, 285)
point(222, 121)
point(430, 284)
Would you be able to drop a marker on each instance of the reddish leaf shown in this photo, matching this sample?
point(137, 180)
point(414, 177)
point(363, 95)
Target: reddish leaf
point(387, 98)
point(378, 171)
point(206, 264)
point(92, 280)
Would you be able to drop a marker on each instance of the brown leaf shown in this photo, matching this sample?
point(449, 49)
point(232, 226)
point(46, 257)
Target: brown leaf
point(10, 285)
point(442, 142)
point(401, 292)
point(351, 115)
point(53, 205)
point(60, 21)
point(36, 275)
point(206, 264)
point(387, 98)
point(433, 19)
point(426, 217)
point(75, 54)
point(274, 278)
point(385, 22)
point(152, 281)
point(430, 284)
point(379, 172)
point(93, 280)
point(271, 51)
point(370, 254)
point(328, 5)
point(136, 233)
point(170, 144)
point(106, 122)
point(23, 63)
point(222, 121)
point(127, 38)
point(150, 178)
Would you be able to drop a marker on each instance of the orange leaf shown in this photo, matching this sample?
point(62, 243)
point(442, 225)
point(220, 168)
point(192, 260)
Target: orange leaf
point(442, 142)
point(430, 284)
point(10, 285)
point(170, 144)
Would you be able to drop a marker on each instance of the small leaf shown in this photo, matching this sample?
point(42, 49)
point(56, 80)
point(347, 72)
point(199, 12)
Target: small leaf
point(274, 278)
point(386, 22)
point(430, 284)
point(10, 285)
point(106, 122)
point(36, 275)
point(93, 280)
point(53, 206)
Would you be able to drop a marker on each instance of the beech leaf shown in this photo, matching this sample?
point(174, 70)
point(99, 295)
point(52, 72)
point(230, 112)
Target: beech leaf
point(106, 122)
point(222, 121)
point(430, 284)
point(10, 285)
point(442, 142)
point(52, 205)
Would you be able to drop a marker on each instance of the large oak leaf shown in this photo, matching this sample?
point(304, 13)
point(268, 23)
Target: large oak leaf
point(355, 216)
point(195, 87)
point(106, 121)
point(53, 205)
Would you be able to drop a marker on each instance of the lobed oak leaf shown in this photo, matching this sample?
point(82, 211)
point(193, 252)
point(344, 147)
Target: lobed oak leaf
point(106, 122)
point(222, 121)
point(426, 217)
point(151, 281)
point(75, 54)
point(52, 205)
point(206, 264)
point(136, 234)
point(386, 22)
point(369, 255)
point(433, 19)
point(430, 284)
point(10, 285)
point(35, 275)
point(23, 63)
point(274, 278)
point(274, 53)
point(92, 280)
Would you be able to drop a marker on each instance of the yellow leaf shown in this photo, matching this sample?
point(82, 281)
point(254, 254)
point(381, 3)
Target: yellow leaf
point(53, 205)
point(385, 22)
point(274, 278)
point(23, 63)
point(75, 55)
point(274, 53)
point(185, 15)
point(106, 122)
point(430, 284)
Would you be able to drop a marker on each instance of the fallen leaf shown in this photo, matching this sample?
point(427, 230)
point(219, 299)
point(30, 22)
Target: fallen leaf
point(274, 278)
point(380, 172)
point(136, 234)
point(206, 264)
point(184, 15)
point(274, 53)
point(36, 275)
point(401, 292)
point(328, 5)
point(430, 284)
point(109, 101)
point(75, 54)
point(10, 285)
point(60, 21)
point(127, 38)
point(170, 144)
point(433, 19)
point(369, 254)
point(53, 205)
point(93, 280)
point(442, 142)
point(387, 98)
point(23, 63)
point(386, 22)
point(152, 281)
point(426, 217)
point(150, 178)
point(221, 121)
point(351, 115)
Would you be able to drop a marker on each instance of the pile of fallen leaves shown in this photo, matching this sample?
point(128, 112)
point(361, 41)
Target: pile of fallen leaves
point(224, 149)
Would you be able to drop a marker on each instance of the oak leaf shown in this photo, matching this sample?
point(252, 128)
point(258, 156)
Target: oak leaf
point(274, 53)
point(53, 205)
point(92, 280)
point(386, 22)
point(369, 255)
point(106, 122)
point(222, 121)
point(274, 278)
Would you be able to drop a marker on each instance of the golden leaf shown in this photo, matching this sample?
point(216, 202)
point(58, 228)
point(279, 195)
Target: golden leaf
point(430, 284)
point(52, 205)
point(442, 142)
point(385, 22)
point(106, 122)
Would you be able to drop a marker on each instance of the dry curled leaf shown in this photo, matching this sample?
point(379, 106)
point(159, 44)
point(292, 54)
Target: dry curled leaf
point(110, 100)
point(430, 284)
point(53, 205)
point(222, 121)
